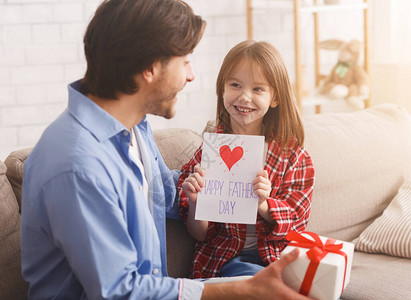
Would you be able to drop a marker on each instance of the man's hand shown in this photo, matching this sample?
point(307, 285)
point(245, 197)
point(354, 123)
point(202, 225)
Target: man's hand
point(269, 282)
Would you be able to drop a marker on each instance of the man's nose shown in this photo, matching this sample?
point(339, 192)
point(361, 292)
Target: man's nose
point(190, 73)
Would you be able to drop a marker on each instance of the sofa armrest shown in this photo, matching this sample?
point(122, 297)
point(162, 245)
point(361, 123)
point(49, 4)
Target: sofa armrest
point(15, 167)
point(12, 285)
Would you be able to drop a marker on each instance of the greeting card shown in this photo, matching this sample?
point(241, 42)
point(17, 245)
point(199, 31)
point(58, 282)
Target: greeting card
point(231, 163)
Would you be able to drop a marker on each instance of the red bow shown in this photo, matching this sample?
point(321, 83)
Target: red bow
point(317, 252)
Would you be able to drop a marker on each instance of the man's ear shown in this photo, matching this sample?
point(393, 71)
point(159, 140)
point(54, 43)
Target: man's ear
point(152, 72)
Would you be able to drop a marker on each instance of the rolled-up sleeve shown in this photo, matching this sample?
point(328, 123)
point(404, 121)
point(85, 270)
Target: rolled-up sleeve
point(190, 289)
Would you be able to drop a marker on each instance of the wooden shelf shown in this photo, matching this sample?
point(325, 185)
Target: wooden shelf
point(287, 5)
point(333, 7)
point(319, 101)
point(263, 5)
point(314, 99)
point(315, 9)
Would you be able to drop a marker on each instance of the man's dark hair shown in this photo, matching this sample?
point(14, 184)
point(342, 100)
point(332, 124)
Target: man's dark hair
point(125, 37)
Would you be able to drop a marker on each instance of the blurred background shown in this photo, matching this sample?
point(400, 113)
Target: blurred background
point(41, 51)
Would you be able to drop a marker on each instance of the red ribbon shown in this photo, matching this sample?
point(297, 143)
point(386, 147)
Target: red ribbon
point(317, 252)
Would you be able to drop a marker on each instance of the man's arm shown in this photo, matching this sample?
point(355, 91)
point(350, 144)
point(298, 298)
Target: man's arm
point(172, 210)
point(89, 227)
point(266, 284)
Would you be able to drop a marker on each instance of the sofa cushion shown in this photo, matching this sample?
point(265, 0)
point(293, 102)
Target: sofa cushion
point(378, 276)
point(360, 162)
point(177, 145)
point(391, 232)
point(15, 166)
point(12, 285)
point(180, 249)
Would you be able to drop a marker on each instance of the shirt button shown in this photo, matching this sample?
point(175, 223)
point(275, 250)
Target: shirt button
point(155, 271)
point(125, 132)
point(140, 188)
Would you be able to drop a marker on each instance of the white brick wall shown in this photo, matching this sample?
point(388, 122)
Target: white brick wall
point(41, 52)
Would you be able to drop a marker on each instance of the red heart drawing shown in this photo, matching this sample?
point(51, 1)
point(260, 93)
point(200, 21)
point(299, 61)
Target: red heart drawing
point(231, 157)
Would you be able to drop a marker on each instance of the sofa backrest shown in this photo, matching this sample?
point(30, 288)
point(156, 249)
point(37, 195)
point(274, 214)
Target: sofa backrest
point(360, 160)
point(12, 285)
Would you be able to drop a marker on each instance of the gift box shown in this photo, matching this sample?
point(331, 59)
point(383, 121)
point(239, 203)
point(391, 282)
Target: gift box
point(323, 267)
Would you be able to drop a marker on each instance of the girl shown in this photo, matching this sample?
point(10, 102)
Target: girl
point(254, 97)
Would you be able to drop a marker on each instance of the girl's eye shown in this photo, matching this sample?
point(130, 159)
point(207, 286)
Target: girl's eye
point(258, 89)
point(234, 84)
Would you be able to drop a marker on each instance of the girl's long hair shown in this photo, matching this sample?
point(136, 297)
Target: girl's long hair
point(284, 121)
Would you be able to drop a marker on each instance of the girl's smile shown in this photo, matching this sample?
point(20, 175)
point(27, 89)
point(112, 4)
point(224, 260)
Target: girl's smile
point(243, 109)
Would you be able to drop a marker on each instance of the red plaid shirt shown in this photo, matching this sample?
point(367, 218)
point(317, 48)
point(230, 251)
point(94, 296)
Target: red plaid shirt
point(292, 178)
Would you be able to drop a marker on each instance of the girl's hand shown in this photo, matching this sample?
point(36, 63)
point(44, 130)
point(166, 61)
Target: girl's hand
point(262, 186)
point(193, 184)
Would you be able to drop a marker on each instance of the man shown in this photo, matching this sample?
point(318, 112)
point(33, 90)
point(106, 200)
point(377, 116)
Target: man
point(96, 189)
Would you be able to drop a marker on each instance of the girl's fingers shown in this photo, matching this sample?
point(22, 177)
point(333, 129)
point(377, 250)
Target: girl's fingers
point(198, 169)
point(261, 193)
point(262, 176)
point(188, 187)
point(263, 173)
point(196, 180)
point(261, 180)
point(261, 185)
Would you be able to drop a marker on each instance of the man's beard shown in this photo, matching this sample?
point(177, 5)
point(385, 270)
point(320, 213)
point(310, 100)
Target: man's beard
point(162, 105)
point(164, 94)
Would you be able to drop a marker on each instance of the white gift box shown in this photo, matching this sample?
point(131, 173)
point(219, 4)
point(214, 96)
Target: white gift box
point(327, 283)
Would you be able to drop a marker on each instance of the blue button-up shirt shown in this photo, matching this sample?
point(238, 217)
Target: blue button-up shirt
point(87, 231)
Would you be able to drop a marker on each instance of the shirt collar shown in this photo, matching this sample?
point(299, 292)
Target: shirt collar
point(99, 122)
point(143, 124)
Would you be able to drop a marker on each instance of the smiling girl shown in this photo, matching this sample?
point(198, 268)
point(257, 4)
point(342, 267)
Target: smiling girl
point(254, 98)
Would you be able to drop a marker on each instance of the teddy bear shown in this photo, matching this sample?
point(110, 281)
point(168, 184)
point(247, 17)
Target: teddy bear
point(347, 79)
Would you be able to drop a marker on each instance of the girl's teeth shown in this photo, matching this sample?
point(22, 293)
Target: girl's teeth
point(243, 110)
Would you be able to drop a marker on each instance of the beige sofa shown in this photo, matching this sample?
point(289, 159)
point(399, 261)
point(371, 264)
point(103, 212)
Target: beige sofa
point(360, 160)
